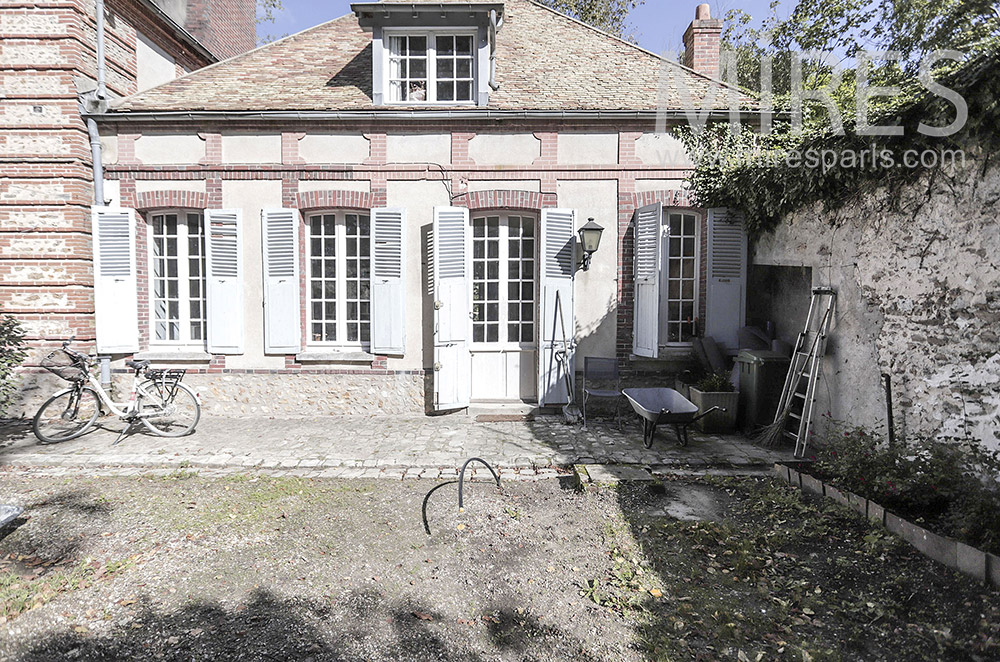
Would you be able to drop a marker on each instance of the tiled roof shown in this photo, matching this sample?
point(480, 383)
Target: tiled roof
point(545, 61)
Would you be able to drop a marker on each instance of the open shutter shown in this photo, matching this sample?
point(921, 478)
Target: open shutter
point(452, 290)
point(115, 295)
point(388, 282)
point(727, 277)
point(556, 315)
point(282, 314)
point(646, 306)
point(224, 287)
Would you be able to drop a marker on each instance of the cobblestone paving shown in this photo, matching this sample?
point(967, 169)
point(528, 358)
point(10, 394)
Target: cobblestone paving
point(370, 447)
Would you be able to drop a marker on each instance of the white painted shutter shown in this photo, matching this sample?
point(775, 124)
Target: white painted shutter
point(556, 314)
point(224, 280)
point(452, 291)
point(116, 309)
point(389, 281)
point(282, 313)
point(727, 277)
point(646, 304)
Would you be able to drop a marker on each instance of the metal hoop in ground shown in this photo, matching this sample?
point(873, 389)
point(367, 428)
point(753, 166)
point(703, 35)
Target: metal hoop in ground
point(461, 477)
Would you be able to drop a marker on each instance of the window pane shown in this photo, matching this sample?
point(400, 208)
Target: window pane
point(418, 46)
point(445, 68)
point(446, 91)
point(463, 45)
point(446, 45)
point(418, 69)
point(463, 69)
point(463, 91)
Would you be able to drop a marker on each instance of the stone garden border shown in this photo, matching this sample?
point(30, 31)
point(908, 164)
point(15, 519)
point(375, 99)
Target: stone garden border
point(982, 566)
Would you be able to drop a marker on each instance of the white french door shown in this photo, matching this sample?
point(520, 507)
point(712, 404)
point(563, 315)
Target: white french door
point(504, 307)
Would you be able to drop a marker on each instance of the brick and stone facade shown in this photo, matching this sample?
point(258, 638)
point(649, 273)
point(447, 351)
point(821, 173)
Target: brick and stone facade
point(46, 274)
point(603, 167)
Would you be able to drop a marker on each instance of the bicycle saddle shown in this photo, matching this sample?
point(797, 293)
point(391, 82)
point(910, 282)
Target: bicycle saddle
point(137, 365)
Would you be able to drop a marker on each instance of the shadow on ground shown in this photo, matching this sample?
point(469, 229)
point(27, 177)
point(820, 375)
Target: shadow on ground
point(268, 627)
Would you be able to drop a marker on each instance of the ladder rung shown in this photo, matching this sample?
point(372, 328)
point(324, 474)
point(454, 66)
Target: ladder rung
point(797, 417)
point(791, 435)
point(799, 395)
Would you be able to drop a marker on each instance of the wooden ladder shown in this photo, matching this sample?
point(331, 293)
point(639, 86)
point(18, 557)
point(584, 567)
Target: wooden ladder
point(798, 397)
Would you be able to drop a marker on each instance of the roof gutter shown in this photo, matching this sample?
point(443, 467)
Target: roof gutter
point(416, 115)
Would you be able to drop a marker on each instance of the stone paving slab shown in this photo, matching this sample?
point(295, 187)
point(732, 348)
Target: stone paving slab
point(392, 447)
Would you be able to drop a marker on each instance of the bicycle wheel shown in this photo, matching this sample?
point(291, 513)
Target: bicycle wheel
point(168, 416)
point(66, 415)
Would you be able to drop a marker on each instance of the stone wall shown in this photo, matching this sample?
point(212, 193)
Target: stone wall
point(918, 279)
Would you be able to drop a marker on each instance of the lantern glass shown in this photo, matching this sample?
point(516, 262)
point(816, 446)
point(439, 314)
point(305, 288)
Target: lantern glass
point(590, 236)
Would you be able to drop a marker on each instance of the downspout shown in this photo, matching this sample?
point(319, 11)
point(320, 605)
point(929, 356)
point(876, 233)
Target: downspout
point(101, 95)
point(95, 147)
point(494, 26)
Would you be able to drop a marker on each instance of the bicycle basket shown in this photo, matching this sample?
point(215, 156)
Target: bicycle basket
point(64, 365)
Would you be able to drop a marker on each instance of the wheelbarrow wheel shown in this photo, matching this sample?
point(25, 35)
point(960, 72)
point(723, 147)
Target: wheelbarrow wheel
point(648, 430)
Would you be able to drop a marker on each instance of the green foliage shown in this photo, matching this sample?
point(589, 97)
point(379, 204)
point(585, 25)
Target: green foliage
point(766, 176)
point(12, 353)
point(608, 15)
point(952, 485)
point(717, 382)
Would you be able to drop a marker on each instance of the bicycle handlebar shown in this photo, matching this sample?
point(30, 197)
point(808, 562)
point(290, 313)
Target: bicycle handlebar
point(77, 355)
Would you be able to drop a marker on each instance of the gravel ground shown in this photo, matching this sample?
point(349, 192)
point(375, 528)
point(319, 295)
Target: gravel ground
point(257, 568)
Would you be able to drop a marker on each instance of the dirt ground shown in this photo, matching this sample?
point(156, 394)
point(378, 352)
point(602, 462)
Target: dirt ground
point(256, 568)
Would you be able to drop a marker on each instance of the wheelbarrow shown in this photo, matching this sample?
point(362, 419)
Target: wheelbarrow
point(664, 406)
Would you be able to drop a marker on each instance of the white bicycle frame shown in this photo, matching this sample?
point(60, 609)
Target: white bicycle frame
point(123, 409)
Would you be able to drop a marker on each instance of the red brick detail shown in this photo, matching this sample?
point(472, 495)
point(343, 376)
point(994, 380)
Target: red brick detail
point(213, 148)
point(335, 200)
point(460, 149)
point(126, 148)
point(290, 148)
point(377, 145)
point(127, 193)
point(171, 198)
point(213, 189)
point(225, 27)
point(549, 154)
point(626, 149)
point(289, 190)
point(702, 41)
point(499, 199)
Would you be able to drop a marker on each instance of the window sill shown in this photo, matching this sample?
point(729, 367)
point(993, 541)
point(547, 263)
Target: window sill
point(333, 356)
point(190, 356)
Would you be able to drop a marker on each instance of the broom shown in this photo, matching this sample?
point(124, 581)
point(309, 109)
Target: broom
point(773, 434)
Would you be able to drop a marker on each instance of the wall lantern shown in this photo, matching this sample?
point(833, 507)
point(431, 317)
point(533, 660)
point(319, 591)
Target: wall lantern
point(590, 240)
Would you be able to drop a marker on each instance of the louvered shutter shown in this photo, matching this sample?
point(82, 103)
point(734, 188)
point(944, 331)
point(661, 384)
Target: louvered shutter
point(224, 280)
point(116, 308)
point(727, 277)
point(556, 315)
point(452, 290)
point(282, 313)
point(388, 281)
point(646, 303)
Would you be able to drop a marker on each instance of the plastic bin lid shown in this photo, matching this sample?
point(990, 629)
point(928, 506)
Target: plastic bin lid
point(760, 356)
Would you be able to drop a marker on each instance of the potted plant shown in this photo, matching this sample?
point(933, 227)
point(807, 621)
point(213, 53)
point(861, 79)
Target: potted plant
point(715, 390)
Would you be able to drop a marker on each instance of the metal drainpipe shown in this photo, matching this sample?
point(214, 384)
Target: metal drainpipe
point(494, 26)
point(102, 92)
point(95, 149)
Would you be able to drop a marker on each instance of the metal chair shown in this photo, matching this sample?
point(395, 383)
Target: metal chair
point(604, 372)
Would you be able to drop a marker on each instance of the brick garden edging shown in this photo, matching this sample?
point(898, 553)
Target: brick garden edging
point(983, 566)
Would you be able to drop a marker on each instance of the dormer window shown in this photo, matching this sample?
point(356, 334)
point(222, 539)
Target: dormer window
point(431, 67)
point(432, 53)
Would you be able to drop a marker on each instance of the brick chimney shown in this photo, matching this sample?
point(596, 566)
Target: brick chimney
point(702, 42)
point(224, 27)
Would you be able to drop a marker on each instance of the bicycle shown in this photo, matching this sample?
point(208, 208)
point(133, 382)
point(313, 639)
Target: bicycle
point(159, 399)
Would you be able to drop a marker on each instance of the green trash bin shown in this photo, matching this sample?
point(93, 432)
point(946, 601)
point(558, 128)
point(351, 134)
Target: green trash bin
point(762, 376)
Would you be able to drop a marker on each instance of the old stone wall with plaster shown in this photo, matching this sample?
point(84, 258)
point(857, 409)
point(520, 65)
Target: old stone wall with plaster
point(918, 279)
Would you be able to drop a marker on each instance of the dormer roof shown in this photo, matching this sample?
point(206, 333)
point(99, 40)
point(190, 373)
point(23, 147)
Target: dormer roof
point(545, 62)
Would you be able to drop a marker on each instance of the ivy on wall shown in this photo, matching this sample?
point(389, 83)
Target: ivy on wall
point(770, 176)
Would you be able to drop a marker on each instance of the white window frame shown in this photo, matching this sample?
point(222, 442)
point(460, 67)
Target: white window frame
point(183, 277)
point(504, 344)
point(665, 276)
point(431, 36)
point(340, 225)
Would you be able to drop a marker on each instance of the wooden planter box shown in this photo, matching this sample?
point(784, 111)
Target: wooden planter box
point(718, 421)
